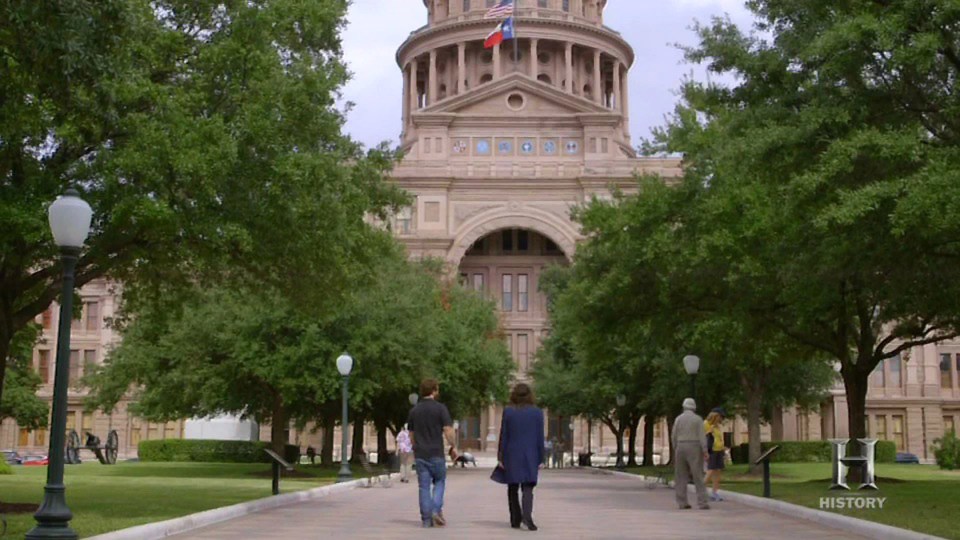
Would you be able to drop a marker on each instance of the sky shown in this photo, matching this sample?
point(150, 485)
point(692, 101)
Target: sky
point(653, 27)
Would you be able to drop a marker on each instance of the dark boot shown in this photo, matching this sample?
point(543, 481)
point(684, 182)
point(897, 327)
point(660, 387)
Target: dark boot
point(514, 501)
point(528, 506)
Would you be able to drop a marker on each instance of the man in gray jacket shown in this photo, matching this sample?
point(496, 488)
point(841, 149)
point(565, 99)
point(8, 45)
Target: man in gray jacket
point(690, 444)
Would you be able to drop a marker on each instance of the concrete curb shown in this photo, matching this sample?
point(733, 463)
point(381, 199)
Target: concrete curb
point(854, 525)
point(170, 527)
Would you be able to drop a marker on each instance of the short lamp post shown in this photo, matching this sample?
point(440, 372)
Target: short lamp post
point(691, 364)
point(70, 218)
point(344, 365)
point(621, 402)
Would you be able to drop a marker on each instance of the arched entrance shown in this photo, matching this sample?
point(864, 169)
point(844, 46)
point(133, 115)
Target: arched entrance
point(505, 266)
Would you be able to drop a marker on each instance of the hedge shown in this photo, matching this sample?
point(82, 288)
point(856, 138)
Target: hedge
point(5, 467)
point(201, 450)
point(808, 452)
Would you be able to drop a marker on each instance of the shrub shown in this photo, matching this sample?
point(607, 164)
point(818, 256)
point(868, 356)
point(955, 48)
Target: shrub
point(886, 452)
point(808, 452)
point(201, 450)
point(947, 451)
point(5, 467)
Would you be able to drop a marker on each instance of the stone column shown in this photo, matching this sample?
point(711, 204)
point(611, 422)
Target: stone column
point(568, 62)
point(597, 89)
point(414, 98)
point(405, 105)
point(625, 96)
point(533, 58)
point(461, 68)
point(496, 61)
point(432, 78)
point(617, 105)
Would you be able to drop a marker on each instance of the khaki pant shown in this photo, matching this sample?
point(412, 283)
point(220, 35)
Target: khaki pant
point(406, 459)
point(688, 463)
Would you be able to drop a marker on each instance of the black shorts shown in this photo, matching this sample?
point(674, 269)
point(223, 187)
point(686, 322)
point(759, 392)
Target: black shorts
point(715, 461)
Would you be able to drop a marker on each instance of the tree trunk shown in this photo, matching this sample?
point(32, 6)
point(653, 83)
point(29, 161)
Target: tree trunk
point(648, 426)
point(382, 444)
point(356, 452)
point(776, 423)
point(855, 383)
point(278, 425)
point(754, 399)
point(632, 452)
point(326, 453)
point(617, 429)
point(6, 339)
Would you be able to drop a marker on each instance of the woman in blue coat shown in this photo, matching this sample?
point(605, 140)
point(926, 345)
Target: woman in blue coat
point(521, 453)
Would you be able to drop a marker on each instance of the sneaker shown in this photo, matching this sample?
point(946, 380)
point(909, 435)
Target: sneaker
point(716, 498)
point(438, 519)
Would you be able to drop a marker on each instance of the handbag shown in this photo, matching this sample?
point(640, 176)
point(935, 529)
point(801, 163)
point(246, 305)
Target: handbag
point(499, 475)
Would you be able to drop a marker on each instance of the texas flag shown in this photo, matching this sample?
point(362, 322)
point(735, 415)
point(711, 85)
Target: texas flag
point(503, 32)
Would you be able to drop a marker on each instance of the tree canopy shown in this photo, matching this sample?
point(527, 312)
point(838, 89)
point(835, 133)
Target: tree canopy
point(206, 137)
point(252, 353)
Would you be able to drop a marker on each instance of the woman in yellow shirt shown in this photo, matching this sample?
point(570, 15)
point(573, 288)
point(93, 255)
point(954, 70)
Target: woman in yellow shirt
point(715, 449)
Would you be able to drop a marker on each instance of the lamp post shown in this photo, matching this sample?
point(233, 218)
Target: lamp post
point(414, 398)
point(621, 401)
point(691, 364)
point(69, 218)
point(344, 365)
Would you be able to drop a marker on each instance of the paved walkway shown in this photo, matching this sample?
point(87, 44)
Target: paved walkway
point(569, 504)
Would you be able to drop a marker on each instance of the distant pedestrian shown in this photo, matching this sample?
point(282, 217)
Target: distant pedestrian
point(404, 453)
point(521, 453)
point(312, 455)
point(429, 423)
point(690, 447)
point(556, 450)
point(716, 451)
point(548, 453)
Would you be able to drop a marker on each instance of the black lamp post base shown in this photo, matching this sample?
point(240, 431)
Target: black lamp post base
point(53, 517)
point(344, 475)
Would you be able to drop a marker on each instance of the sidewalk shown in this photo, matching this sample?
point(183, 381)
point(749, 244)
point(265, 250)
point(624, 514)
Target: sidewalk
point(569, 503)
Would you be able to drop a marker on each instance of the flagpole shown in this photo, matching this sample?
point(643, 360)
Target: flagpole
point(516, 41)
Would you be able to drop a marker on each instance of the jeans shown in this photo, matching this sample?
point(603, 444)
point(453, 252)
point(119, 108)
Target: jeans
point(431, 473)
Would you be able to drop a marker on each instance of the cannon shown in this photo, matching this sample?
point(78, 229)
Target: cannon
point(106, 454)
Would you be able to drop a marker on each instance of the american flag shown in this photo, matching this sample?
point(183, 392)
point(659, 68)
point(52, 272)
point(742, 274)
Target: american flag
point(502, 9)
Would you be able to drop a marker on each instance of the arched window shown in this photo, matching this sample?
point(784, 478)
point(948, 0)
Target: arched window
point(587, 91)
point(544, 78)
point(485, 78)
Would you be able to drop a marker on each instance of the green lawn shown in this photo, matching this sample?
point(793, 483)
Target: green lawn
point(919, 497)
point(107, 498)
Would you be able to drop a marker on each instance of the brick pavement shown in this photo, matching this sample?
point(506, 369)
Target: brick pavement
point(574, 504)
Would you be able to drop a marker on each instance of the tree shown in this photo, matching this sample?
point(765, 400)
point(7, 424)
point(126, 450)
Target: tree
point(812, 171)
point(205, 135)
point(20, 400)
point(254, 352)
point(247, 353)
